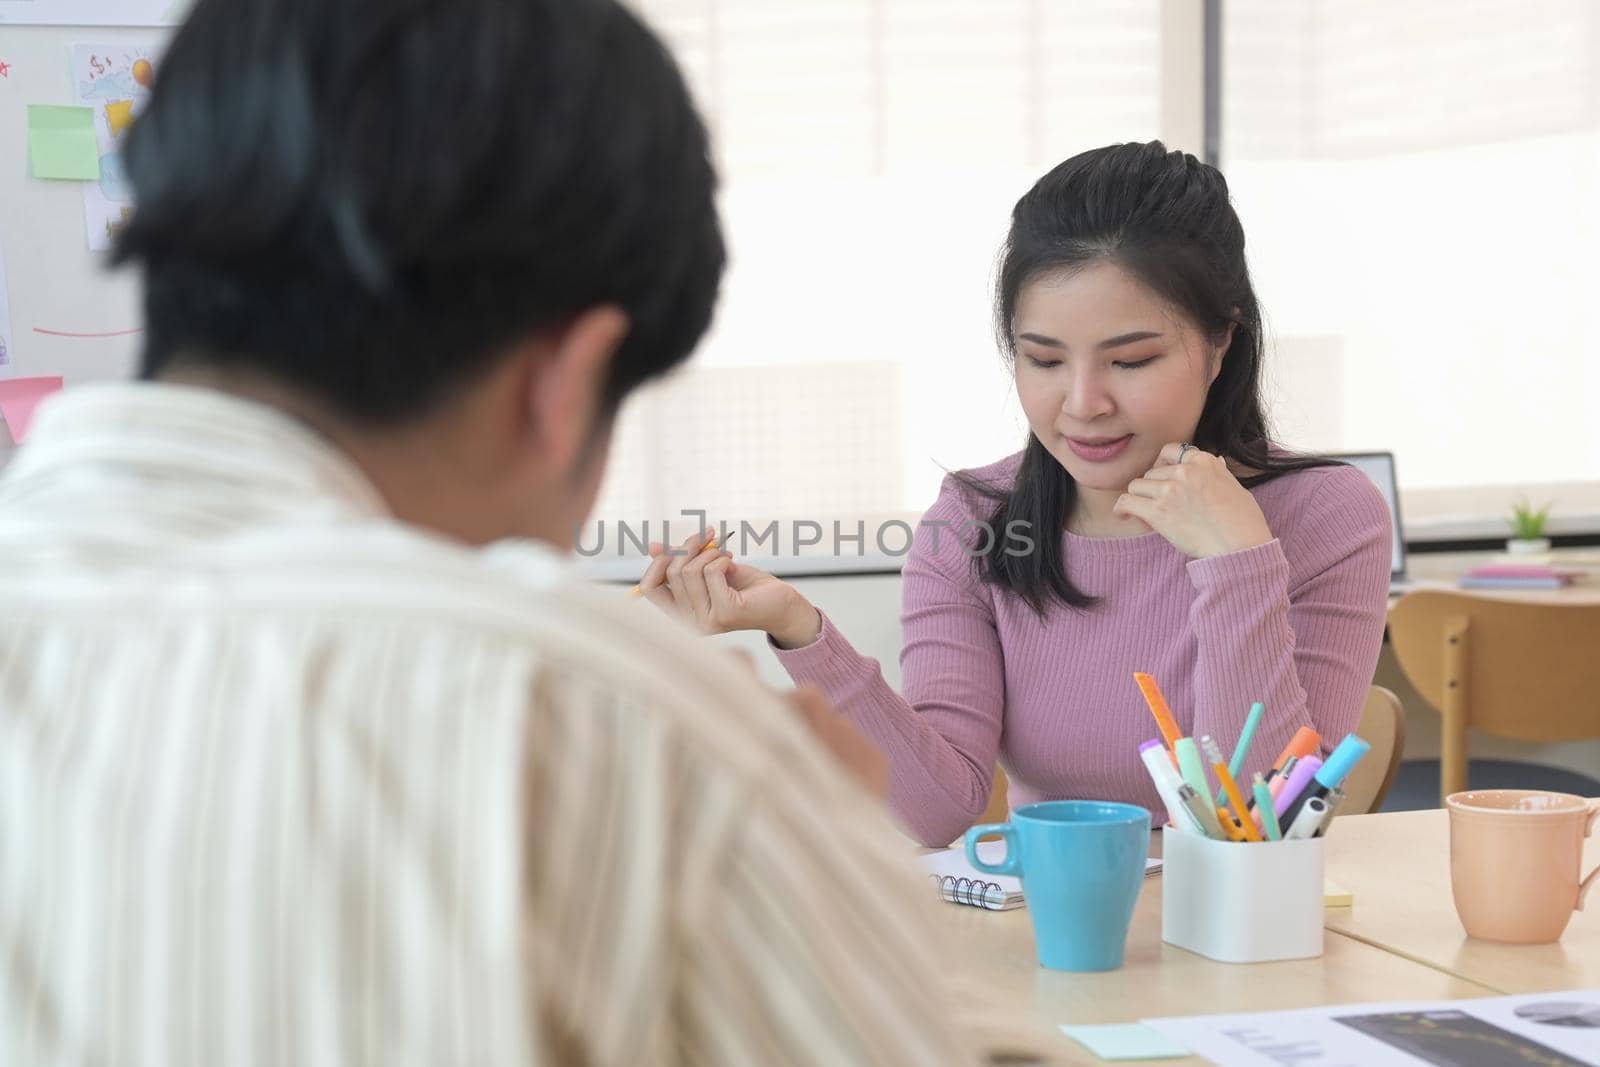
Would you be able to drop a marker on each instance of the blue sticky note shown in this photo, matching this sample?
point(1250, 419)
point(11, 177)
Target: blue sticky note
point(1125, 1041)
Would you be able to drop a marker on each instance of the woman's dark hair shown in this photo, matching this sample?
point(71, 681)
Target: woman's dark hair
point(371, 200)
point(1166, 219)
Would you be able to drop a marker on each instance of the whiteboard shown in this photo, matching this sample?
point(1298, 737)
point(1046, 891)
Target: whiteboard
point(94, 12)
point(70, 316)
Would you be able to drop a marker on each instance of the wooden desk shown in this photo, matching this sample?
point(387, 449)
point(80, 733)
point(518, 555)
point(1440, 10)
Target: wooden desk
point(1398, 867)
point(1442, 570)
point(993, 952)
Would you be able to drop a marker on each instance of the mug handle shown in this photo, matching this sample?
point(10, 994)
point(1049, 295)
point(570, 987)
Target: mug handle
point(1588, 828)
point(1009, 865)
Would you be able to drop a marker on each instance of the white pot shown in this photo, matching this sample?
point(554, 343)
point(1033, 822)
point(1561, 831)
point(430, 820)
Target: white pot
point(1528, 546)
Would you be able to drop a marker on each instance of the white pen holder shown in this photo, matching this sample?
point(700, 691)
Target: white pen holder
point(1242, 902)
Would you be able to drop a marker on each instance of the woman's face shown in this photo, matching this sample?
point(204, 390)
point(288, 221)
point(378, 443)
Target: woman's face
point(1108, 372)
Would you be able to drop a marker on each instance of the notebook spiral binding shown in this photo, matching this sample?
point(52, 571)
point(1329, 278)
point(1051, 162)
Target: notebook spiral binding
point(972, 891)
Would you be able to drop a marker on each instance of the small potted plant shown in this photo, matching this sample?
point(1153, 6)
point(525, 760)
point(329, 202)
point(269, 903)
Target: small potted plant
point(1527, 530)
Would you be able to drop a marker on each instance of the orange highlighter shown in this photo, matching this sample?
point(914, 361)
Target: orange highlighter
point(1305, 742)
point(1158, 707)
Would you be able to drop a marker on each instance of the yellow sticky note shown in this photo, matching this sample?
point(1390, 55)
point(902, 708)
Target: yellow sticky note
point(1336, 896)
point(61, 143)
point(119, 116)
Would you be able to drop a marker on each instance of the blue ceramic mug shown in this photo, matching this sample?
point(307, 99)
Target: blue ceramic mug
point(1081, 863)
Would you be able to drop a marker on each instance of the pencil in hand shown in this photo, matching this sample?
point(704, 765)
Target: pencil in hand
point(637, 591)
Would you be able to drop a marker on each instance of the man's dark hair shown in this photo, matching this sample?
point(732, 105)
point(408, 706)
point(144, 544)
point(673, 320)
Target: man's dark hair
point(370, 200)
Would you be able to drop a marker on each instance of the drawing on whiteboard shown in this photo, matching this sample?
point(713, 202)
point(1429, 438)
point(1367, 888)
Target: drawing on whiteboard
point(119, 114)
point(71, 333)
point(115, 81)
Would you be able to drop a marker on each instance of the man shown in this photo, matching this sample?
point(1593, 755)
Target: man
point(293, 768)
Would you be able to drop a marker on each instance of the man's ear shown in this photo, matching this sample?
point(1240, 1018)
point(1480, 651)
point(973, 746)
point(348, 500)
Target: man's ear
point(566, 380)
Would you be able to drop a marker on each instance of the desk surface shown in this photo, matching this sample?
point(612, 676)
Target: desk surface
point(1400, 941)
point(993, 951)
point(1398, 867)
point(1443, 570)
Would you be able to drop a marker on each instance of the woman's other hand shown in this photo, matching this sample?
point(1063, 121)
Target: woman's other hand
point(700, 583)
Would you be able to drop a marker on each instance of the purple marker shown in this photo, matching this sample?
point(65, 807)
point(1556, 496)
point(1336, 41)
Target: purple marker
point(1296, 784)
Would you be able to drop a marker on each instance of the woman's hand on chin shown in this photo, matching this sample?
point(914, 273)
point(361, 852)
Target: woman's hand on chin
point(1191, 498)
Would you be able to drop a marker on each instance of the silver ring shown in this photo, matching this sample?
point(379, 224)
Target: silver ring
point(1182, 450)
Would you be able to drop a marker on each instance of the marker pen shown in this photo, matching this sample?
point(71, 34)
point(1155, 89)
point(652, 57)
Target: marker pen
point(1330, 774)
point(1312, 812)
point(1293, 786)
point(1159, 763)
point(1277, 776)
point(1305, 742)
point(1189, 765)
point(1201, 811)
point(1275, 779)
point(1334, 798)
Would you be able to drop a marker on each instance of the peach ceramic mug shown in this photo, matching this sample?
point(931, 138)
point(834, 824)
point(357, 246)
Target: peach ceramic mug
point(1515, 860)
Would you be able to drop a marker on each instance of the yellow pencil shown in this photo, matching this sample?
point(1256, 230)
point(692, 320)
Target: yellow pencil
point(1158, 708)
point(636, 591)
point(1247, 825)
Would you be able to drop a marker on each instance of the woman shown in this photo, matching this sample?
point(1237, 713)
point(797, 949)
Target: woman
point(1148, 525)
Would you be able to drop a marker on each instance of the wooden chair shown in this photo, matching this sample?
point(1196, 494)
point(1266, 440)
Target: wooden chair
point(1521, 670)
point(1383, 726)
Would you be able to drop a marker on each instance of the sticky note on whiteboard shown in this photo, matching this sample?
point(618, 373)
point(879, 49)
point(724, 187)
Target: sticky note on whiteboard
point(61, 143)
point(19, 398)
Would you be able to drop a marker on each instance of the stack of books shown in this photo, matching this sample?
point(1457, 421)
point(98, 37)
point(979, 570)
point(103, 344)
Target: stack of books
point(1520, 576)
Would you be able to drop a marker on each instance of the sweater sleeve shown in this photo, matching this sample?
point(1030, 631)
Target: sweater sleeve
point(942, 734)
point(1296, 623)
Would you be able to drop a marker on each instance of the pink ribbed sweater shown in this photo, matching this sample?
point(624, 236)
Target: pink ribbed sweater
point(1295, 623)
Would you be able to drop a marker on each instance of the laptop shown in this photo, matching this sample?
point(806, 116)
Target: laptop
point(1379, 467)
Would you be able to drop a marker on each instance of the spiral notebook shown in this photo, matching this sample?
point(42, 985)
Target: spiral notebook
point(961, 883)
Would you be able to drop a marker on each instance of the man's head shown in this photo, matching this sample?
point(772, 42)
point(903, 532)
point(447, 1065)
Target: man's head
point(400, 217)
